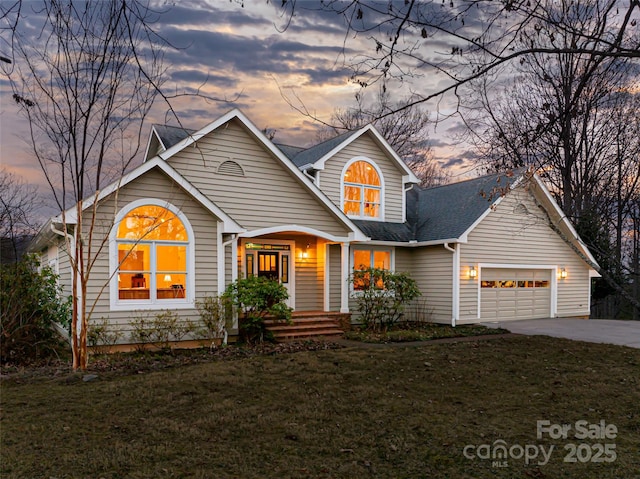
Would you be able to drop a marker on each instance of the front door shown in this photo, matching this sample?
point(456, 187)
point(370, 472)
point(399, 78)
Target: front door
point(271, 259)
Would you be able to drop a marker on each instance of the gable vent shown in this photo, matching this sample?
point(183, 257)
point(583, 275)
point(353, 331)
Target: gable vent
point(230, 167)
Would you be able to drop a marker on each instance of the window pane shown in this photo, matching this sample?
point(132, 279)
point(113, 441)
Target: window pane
point(363, 173)
point(249, 265)
point(352, 208)
point(152, 223)
point(133, 286)
point(285, 269)
point(361, 259)
point(382, 259)
point(352, 193)
point(170, 286)
point(171, 258)
point(541, 284)
point(134, 257)
point(488, 284)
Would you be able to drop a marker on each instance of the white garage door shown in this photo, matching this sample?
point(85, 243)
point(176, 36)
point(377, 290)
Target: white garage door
point(514, 294)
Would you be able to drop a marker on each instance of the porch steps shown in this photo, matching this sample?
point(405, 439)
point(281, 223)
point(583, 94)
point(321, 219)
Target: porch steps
point(305, 325)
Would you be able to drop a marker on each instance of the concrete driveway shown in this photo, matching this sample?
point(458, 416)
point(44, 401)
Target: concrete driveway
point(610, 331)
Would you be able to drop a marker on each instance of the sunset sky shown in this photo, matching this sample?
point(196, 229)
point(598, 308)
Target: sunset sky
point(231, 51)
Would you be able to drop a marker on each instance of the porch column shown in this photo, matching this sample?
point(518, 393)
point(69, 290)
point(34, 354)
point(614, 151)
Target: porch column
point(344, 287)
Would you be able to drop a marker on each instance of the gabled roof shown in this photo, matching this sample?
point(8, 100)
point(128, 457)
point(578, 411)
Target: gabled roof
point(229, 225)
point(286, 162)
point(440, 214)
point(316, 156)
point(450, 211)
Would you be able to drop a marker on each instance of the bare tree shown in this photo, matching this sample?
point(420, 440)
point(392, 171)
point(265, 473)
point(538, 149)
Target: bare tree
point(464, 40)
point(85, 87)
point(573, 117)
point(405, 130)
point(19, 203)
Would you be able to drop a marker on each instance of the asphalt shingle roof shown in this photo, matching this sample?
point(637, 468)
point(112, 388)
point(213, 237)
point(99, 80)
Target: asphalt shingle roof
point(170, 135)
point(313, 154)
point(440, 213)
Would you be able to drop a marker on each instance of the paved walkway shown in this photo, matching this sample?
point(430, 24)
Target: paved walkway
point(610, 331)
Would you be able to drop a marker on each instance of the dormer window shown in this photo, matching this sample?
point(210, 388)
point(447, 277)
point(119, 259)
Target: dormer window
point(362, 190)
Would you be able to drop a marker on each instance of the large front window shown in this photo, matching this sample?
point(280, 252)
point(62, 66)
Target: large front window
point(152, 247)
point(362, 190)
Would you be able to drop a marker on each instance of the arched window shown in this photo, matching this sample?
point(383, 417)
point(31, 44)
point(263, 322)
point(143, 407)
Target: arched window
point(154, 251)
point(362, 190)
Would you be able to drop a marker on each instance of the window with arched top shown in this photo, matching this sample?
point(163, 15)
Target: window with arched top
point(362, 190)
point(153, 248)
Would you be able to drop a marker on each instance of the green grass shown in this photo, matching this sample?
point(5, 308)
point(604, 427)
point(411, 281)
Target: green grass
point(421, 332)
point(384, 412)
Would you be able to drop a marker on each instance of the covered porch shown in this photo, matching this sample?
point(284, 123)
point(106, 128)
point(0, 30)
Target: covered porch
point(302, 259)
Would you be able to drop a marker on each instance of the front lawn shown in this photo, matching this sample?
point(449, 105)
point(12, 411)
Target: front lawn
point(404, 332)
point(384, 412)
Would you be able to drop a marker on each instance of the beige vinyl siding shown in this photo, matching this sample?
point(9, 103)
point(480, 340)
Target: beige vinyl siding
point(309, 275)
point(154, 184)
point(335, 276)
point(511, 235)
point(330, 177)
point(65, 272)
point(432, 268)
point(268, 195)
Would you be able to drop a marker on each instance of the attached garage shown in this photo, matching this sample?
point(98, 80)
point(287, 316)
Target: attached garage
point(514, 293)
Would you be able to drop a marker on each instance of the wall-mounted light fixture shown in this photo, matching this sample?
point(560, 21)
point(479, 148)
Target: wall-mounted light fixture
point(473, 273)
point(563, 273)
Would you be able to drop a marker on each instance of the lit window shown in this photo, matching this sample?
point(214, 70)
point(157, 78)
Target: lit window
point(152, 248)
point(362, 190)
point(363, 259)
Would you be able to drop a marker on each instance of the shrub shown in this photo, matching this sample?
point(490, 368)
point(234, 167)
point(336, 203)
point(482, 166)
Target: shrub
point(160, 330)
point(382, 296)
point(213, 314)
point(256, 298)
point(30, 302)
point(101, 338)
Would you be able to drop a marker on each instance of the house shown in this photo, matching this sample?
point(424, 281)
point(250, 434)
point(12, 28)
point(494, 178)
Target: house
point(228, 203)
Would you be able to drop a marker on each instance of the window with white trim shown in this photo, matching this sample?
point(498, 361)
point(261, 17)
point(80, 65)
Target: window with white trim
point(363, 259)
point(362, 190)
point(152, 248)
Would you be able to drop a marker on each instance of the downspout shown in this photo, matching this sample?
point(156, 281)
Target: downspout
point(71, 239)
point(456, 283)
point(404, 200)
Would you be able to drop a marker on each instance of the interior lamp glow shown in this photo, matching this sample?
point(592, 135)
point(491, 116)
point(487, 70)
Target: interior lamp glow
point(167, 278)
